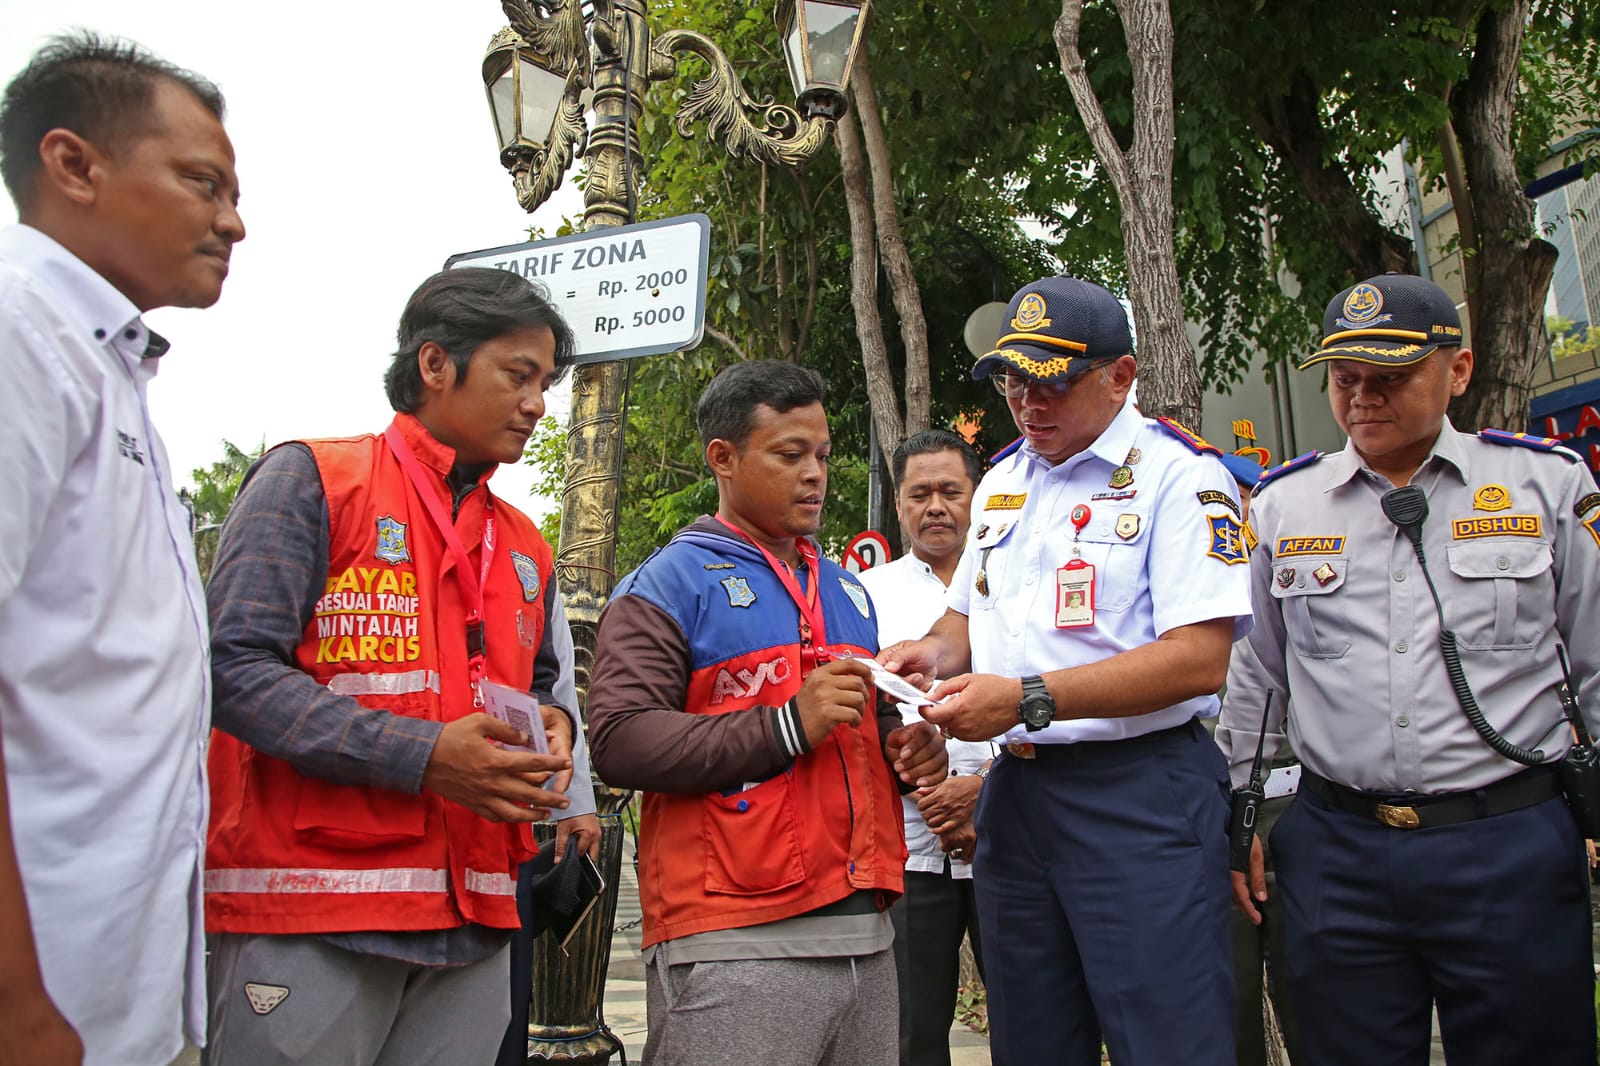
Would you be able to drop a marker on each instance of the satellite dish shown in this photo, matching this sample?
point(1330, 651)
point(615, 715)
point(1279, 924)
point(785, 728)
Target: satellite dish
point(984, 327)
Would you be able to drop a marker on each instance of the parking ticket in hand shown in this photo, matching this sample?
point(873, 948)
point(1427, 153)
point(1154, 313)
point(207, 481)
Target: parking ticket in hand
point(892, 684)
point(519, 710)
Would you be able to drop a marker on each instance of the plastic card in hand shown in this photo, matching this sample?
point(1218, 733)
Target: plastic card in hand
point(519, 710)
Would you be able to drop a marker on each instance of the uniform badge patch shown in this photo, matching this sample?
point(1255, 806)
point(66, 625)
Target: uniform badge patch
point(1286, 577)
point(1324, 574)
point(1491, 498)
point(528, 574)
point(1116, 494)
point(1587, 504)
point(738, 589)
point(1005, 501)
point(720, 566)
point(1362, 305)
point(1510, 525)
point(1127, 526)
point(1221, 499)
point(1593, 526)
point(1121, 477)
point(392, 541)
point(264, 999)
point(1250, 538)
point(1227, 539)
point(858, 596)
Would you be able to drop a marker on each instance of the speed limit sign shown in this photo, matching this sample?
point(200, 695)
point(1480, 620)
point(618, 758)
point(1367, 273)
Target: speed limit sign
point(866, 550)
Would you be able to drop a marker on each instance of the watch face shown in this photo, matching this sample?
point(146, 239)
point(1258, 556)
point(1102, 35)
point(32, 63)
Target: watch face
point(1037, 712)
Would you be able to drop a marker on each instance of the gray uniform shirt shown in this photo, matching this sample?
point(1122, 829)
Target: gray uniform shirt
point(1346, 630)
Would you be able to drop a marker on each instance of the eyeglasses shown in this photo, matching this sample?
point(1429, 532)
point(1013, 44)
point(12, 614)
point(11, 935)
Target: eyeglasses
point(1012, 385)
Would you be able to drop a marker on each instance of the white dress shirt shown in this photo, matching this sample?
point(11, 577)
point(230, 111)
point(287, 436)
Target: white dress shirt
point(909, 598)
point(105, 677)
point(1166, 545)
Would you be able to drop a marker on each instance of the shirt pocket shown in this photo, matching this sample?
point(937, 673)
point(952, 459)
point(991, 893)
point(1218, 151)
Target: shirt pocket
point(1505, 596)
point(1312, 607)
point(353, 817)
point(1116, 546)
point(752, 839)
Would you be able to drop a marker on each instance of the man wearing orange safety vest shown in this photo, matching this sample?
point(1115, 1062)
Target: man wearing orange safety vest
point(370, 597)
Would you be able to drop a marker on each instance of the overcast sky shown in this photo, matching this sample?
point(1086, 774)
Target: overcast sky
point(366, 157)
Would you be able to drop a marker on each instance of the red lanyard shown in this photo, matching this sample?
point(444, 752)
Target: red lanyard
point(813, 630)
point(471, 587)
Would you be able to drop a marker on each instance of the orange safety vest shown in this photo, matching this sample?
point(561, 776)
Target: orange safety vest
point(288, 853)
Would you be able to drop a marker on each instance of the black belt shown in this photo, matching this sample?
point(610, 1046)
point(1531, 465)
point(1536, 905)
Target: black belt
point(1424, 811)
point(1022, 749)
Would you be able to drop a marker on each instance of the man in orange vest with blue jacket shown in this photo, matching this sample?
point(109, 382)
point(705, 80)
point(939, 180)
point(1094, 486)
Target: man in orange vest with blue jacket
point(370, 596)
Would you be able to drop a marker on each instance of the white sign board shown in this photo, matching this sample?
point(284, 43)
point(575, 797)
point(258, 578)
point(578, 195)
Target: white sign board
point(626, 291)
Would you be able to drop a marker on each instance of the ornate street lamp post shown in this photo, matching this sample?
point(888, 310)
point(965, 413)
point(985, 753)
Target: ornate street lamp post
point(557, 59)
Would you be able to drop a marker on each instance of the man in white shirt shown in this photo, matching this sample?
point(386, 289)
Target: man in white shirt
point(124, 182)
point(935, 473)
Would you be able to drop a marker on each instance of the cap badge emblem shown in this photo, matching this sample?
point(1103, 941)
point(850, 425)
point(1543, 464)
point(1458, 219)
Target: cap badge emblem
point(1030, 314)
point(1363, 303)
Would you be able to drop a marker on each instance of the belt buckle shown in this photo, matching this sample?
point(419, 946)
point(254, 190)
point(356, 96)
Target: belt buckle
point(1020, 749)
point(1398, 817)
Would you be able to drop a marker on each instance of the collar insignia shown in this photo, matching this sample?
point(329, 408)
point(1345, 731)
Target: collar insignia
point(392, 541)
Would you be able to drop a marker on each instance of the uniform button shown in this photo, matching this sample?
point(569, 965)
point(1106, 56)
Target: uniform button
point(1399, 575)
point(1402, 647)
point(99, 334)
point(744, 805)
point(1105, 531)
point(1502, 563)
point(1300, 584)
point(129, 334)
point(1402, 721)
point(1028, 580)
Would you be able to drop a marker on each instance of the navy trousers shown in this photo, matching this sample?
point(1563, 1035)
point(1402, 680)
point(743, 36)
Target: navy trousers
point(1488, 919)
point(1103, 897)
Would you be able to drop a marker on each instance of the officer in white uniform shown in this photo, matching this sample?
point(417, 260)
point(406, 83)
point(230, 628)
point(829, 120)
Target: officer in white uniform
point(1419, 866)
point(1102, 585)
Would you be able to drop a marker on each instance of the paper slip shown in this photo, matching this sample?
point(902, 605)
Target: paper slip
point(519, 710)
point(893, 684)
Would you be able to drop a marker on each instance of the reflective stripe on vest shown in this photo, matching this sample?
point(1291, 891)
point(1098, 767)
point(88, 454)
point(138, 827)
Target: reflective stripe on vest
point(397, 684)
point(353, 882)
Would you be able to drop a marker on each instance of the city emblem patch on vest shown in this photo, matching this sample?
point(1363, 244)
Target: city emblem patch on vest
point(858, 596)
point(1491, 498)
point(738, 589)
point(527, 574)
point(1227, 539)
point(392, 541)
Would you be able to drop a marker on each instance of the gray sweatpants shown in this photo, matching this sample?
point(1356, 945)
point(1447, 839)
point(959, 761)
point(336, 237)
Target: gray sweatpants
point(297, 1001)
point(778, 1012)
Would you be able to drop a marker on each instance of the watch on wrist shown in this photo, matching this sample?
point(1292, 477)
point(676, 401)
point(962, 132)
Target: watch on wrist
point(1037, 709)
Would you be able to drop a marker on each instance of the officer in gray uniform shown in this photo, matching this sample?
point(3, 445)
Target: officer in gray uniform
point(1428, 859)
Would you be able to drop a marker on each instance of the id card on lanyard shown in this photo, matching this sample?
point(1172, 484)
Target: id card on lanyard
point(813, 633)
point(471, 585)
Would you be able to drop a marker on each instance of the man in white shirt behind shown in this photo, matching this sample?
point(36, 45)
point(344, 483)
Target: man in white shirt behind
point(124, 183)
point(935, 473)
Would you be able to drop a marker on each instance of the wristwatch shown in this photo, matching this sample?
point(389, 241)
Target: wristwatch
point(1037, 709)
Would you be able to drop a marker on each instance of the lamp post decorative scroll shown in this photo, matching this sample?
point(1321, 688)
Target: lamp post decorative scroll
point(558, 59)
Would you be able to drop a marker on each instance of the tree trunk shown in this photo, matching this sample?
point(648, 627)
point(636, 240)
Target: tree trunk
point(903, 287)
point(864, 282)
point(1169, 374)
point(1292, 125)
point(1512, 264)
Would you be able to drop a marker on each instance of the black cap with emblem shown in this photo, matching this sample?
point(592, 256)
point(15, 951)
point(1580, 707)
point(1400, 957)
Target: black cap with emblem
point(1389, 320)
point(1056, 329)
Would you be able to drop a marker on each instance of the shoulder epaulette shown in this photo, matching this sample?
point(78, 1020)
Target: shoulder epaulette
point(1007, 450)
point(1299, 462)
point(1527, 440)
point(1196, 443)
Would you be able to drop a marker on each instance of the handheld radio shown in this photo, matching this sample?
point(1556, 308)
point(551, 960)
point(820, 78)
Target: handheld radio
point(1247, 802)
